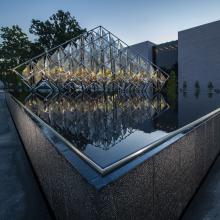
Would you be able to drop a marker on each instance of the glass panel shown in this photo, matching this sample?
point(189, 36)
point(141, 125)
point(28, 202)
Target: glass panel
point(97, 55)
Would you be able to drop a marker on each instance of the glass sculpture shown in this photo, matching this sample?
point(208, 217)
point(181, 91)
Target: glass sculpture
point(95, 61)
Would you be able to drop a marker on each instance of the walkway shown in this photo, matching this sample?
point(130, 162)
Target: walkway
point(20, 197)
point(206, 203)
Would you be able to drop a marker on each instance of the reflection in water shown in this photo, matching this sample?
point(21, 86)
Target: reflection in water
point(107, 128)
point(197, 93)
point(100, 120)
point(192, 107)
point(210, 94)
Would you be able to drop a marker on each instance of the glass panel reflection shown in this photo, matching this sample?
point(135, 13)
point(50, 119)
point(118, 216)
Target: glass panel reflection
point(104, 127)
point(109, 127)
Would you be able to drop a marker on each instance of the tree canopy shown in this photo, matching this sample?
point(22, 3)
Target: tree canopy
point(59, 28)
point(15, 46)
point(14, 49)
point(171, 90)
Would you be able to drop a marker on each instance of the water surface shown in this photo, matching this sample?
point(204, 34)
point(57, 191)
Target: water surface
point(107, 128)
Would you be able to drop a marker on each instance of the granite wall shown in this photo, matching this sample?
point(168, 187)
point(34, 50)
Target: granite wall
point(158, 188)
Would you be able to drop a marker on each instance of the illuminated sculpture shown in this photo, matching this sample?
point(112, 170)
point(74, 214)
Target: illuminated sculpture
point(95, 61)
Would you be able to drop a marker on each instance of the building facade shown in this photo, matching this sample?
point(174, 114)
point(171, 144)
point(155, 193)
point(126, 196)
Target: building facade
point(199, 56)
point(166, 56)
point(195, 56)
point(163, 55)
point(144, 49)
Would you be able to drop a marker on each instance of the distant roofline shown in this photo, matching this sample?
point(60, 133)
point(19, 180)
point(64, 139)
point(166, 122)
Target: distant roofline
point(147, 41)
point(199, 26)
point(172, 41)
point(168, 42)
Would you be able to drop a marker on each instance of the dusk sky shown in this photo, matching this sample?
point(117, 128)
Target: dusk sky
point(133, 20)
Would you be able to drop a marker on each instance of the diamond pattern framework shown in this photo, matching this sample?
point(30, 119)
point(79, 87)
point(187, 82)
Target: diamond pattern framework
point(95, 61)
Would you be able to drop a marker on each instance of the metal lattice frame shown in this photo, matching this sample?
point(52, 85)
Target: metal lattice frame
point(95, 61)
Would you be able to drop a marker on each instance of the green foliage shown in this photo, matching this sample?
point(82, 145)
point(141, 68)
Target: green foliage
point(171, 88)
point(59, 28)
point(197, 86)
point(16, 48)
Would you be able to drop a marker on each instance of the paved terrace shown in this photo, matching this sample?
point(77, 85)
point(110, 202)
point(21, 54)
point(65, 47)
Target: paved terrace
point(206, 203)
point(20, 196)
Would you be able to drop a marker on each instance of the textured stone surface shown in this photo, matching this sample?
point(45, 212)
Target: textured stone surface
point(130, 197)
point(20, 196)
point(167, 195)
point(158, 188)
point(206, 203)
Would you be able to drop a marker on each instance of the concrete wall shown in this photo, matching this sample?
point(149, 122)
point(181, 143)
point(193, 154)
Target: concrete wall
point(157, 188)
point(144, 49)
point(199, 55)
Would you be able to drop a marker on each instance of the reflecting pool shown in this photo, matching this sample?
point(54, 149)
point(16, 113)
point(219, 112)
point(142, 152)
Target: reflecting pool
point(107, 128)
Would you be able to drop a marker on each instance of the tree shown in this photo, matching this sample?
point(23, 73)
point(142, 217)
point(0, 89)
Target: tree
point(14, 49)
point(171, 88)
point(59, 28)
